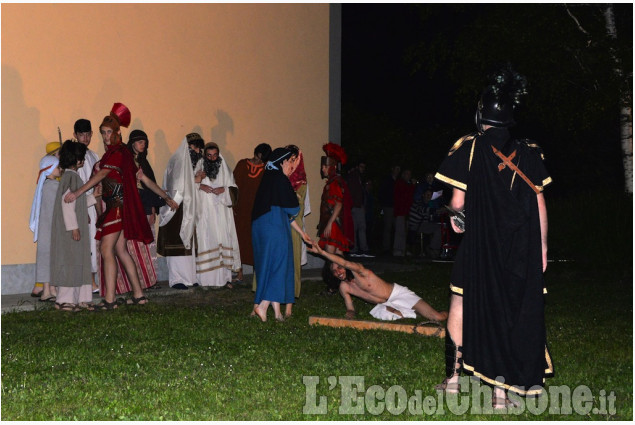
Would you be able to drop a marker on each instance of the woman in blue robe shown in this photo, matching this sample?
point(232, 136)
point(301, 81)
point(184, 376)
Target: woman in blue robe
point(275, 208)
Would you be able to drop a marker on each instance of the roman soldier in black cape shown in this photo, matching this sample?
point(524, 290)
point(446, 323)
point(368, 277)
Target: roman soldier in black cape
point(497, 332)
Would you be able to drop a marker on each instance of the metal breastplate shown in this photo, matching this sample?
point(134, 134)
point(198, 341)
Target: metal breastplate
point(112, 193)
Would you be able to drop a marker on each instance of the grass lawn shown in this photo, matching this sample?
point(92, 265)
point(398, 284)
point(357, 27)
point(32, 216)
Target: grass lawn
point(199, 356)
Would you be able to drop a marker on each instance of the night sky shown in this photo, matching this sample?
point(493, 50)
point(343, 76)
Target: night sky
point(412, 75)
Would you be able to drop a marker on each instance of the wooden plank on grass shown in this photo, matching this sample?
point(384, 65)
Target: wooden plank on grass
point(336, 322)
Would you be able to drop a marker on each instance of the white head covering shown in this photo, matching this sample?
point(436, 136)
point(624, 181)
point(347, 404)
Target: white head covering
point(178, 181)
point(48, 164)
point(225, 177)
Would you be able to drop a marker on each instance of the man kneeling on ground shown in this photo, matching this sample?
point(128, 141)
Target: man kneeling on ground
point(393, 301)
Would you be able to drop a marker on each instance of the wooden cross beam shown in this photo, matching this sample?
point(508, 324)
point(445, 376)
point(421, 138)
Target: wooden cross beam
point(421, 329)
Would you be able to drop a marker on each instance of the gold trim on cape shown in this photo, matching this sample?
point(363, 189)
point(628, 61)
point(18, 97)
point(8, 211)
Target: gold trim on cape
point(459, 142)
point(450, 181)
point(508, 387)
point(456, 289)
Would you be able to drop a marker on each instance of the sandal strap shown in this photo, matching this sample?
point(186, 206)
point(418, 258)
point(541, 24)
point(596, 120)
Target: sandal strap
point(137, 301)
point(448, 387)
point(105, 305)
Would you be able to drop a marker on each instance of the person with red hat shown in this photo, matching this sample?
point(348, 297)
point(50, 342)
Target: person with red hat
point(336, 223)
point(118, 176)
point(335, 228)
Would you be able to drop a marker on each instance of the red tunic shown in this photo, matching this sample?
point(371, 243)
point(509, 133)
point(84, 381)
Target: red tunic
point(119, 191)
point(123, 212)
point(341, 236)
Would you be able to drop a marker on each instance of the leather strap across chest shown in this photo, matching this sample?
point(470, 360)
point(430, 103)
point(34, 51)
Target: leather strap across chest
point(507, 161)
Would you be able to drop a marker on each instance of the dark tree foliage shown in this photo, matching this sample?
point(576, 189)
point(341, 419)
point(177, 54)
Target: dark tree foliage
point(412, 74)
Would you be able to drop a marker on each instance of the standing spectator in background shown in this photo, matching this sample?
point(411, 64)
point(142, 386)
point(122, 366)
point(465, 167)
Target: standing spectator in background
point(70, 247)
point(275, 206)
point(83, 133)
point(403, 197)
point(355, 181)
point(301, 189)
point(386, 202)
point(422, 186)
point(423, 220)
point(247, 175)
point(176, 228)
point(41, 221)
point(217, 252)
point(429, 183)
point(369, 212)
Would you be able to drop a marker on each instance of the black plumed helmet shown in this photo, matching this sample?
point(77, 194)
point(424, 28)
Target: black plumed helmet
point(499, 99)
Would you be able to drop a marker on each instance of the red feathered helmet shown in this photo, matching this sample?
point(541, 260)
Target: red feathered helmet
point(122, 113)
point(119, 116)
point(335, 152)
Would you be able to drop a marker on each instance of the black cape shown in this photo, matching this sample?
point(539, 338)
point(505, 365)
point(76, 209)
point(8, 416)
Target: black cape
point(498, 267)
point(149, 199)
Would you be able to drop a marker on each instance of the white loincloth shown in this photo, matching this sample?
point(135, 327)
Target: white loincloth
point(401, 299)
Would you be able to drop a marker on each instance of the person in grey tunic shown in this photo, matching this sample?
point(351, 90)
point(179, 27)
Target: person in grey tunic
point(70, 240)
point(41, 220)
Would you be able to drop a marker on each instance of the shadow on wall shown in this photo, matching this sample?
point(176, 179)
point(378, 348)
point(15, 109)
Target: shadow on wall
point(136, 124)
point(161, 150)
point(157, 145)
point(22, 148)
point(18, 118)
point(219, 134)
point(110, 93)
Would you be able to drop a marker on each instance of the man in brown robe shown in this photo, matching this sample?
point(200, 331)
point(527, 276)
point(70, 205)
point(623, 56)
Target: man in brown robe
point(247, 175)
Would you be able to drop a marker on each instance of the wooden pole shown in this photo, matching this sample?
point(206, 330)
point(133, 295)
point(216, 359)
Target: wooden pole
point(421, 329)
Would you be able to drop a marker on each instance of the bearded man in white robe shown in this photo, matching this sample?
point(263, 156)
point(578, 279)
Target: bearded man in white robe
point(217, 251)
point(176, 239)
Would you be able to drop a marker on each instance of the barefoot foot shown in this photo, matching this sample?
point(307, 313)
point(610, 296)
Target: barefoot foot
point(261, 314)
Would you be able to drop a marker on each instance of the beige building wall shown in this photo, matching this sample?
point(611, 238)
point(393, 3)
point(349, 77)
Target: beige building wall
point(239, 74)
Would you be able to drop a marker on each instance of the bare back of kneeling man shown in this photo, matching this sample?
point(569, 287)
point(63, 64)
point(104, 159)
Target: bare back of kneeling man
point(393, 301)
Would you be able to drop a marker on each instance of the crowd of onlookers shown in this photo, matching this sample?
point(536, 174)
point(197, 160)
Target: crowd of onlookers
point(405, 217)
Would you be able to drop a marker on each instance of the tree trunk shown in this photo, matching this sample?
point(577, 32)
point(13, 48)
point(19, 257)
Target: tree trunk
point(626, 111)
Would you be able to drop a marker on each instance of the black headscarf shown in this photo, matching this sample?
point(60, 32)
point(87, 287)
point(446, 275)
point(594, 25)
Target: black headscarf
point(149, 199)
point(275, 188)
point(140, 158)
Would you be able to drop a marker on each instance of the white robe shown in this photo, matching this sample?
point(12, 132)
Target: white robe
point(85, 173)
point(178, 182)
point(181, 269)
point(218, 253)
